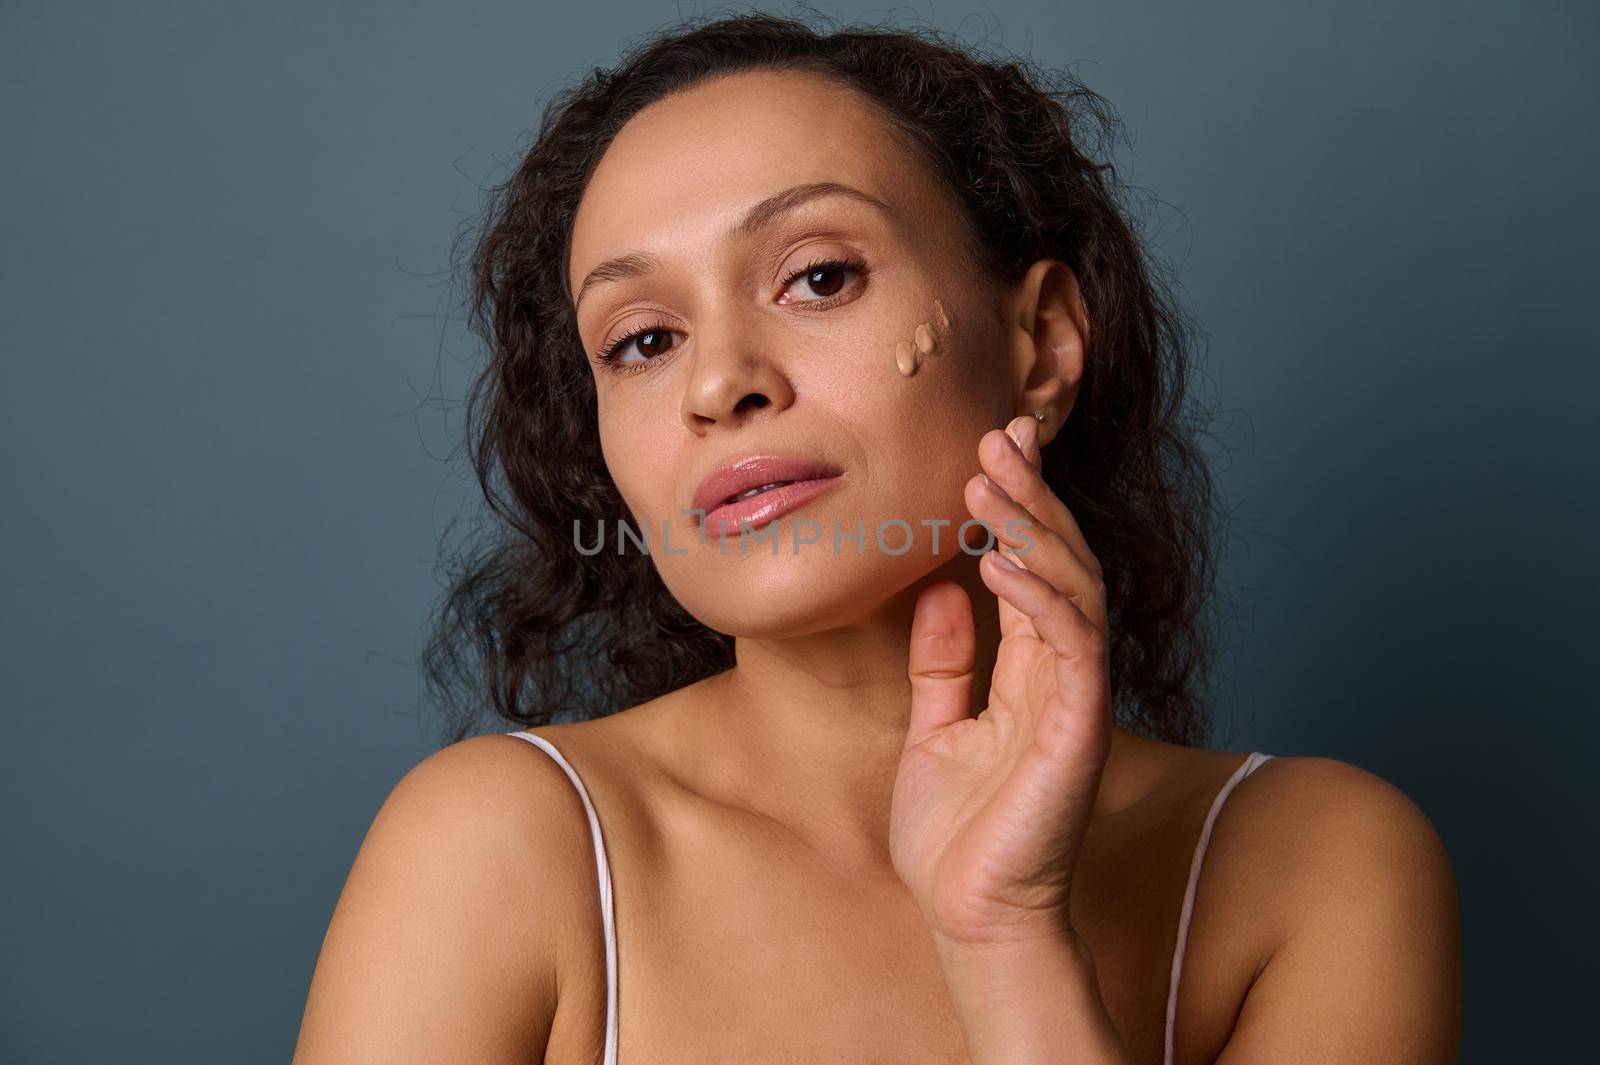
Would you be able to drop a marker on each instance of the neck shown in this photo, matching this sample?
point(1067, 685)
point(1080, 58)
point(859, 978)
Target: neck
point(812, 727)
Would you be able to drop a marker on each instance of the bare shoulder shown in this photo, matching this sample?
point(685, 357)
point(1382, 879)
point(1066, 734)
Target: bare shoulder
point(446, 939)
point(1334, 828)
point(1350, 886)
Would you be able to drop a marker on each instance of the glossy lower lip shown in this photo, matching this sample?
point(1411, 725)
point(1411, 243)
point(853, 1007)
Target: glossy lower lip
point(756, 511)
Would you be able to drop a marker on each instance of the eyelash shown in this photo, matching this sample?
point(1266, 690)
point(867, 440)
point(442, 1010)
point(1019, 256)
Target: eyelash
point(608, 356)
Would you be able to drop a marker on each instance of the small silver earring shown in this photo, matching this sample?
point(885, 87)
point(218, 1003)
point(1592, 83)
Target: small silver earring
point(1039, 415)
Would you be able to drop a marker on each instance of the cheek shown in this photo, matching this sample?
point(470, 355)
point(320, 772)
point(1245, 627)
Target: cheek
point(919, 433)
point(643, 476)
point(946, 367)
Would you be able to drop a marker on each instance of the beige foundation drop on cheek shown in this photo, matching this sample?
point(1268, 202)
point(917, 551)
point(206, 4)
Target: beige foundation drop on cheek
point(908, 354)
point(905, 357)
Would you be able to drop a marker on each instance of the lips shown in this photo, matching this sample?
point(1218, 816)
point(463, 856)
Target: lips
point(757, 489)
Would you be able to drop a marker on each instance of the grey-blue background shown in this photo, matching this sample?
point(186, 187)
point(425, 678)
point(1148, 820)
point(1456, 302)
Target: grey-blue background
point(232, 383)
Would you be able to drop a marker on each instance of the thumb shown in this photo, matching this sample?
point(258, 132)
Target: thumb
point(942, 653)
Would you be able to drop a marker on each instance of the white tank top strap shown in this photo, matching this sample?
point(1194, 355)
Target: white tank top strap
point(608, 918)
point(1245, 769)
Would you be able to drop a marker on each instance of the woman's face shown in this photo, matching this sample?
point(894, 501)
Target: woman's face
point(888, 371)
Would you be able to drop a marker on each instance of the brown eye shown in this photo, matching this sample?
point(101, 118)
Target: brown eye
point(819, 280)
point(650, 343)
point(656, 338)
point(825, 279)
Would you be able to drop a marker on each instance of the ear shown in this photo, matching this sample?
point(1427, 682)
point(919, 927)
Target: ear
point(1049, 331)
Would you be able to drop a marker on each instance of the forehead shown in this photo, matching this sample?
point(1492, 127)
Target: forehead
point(682, 170)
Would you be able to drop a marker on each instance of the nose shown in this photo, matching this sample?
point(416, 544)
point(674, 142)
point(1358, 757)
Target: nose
point(730, 379)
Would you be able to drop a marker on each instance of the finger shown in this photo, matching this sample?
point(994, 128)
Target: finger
point(940, 663)
point(1006, 466)
point(1037, 548)
point(1002, 459)
point(1075, 639)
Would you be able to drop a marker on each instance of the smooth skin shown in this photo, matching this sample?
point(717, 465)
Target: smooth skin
point(772, 889)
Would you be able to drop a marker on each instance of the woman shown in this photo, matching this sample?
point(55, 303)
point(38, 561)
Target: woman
point(876, 795)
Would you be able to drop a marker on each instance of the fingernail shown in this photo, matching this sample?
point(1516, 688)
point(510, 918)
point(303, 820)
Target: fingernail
point(1024, 433)
point(1030, 450)
point(996, 489)
point(1014, 431)
point(1004, 562)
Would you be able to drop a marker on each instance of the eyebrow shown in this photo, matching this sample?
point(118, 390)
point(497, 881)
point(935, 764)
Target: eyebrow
point(757, 218)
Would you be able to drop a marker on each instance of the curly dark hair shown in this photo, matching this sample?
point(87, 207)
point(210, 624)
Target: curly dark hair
point(543, 633)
